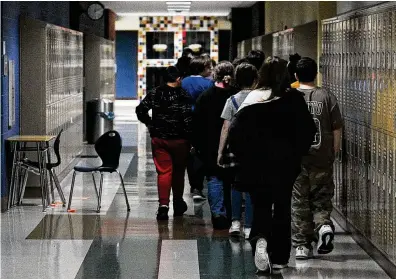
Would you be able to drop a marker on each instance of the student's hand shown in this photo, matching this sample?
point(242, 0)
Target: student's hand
point(220, 160)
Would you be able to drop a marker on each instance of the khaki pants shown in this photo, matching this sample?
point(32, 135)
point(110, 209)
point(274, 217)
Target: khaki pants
point(311, 204)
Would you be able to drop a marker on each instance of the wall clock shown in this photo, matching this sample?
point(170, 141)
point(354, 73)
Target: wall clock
point(95, 11)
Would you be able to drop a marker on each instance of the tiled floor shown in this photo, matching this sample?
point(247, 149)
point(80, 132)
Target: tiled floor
point(118, 244)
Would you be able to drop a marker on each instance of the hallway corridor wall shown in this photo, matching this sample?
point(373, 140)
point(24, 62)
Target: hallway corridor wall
point(51, 12)
point(126, 57)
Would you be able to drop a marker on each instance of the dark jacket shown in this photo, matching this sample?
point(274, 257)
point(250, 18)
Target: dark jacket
point(171, 113)
point(208, 124)
point(269, 140)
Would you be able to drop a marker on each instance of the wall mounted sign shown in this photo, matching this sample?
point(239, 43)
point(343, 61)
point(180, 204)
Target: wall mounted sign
point(11, 93)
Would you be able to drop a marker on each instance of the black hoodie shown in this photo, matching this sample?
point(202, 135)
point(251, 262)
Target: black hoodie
point(171, 110)
point(269, 140)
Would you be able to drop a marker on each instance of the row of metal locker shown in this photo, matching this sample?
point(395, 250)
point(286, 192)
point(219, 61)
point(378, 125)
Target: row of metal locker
point(358, 65)
point(52, 70)
point(365, 177)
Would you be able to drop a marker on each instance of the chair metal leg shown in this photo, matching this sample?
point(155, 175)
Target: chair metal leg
point(96, 188)
point(58, 187)
point(71, 190)
point(123, 189)
point(13, 172)
point(24, 180)
point(47, 187)
point(52, 185)
point(100, 192)
point(17, 185)
point(43, 190)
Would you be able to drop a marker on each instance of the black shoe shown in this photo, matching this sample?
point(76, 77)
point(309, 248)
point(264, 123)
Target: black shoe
point(162, 213)
point(220, 222)
point(179, 207)
point(198, 195)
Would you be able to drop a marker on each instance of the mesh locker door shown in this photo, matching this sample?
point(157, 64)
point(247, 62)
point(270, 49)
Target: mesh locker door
point(374, 71)
point(393, 232)
point(365, 180)
point(353, 47)
point(344, 69)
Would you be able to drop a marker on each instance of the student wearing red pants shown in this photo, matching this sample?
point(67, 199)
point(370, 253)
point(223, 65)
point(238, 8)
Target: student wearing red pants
point(170, 129)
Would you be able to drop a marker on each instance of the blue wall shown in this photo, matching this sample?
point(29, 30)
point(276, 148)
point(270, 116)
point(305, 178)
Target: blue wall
point(52, 12)
point(126, 57)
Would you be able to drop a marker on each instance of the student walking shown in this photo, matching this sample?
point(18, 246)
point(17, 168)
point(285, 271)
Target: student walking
point(269, 139)
point(194, 85)
point(170, 129)
point(314, 187)
point(207, 129)
point(245, 76)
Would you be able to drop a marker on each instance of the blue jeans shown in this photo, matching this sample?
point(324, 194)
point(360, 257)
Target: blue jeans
point(236, 200)
point(216, 195)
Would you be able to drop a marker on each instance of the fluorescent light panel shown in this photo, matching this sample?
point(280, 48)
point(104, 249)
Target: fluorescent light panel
point(172, 8)
point(178, 3)
point(178, 6)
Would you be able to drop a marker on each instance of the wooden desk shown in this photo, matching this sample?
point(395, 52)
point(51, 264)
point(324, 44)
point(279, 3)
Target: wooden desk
point(31, 138)
point(19, 147)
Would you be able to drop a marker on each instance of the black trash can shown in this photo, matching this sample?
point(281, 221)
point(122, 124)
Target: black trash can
point(100, 118)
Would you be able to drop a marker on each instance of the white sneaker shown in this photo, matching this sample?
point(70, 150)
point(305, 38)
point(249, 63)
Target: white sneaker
point(325, 243)
point(235, 229)
point(246, 232)
point(261, 258)
point(303, 253)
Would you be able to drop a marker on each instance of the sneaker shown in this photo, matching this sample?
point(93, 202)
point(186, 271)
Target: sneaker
point(303, 253)
point(198, 195)
point(162, 213)
point(179, 207)
point(246, 232)
point(235, 229)
point(279, 266)
point(261, 258)
point(220, 222)
point(325, 243)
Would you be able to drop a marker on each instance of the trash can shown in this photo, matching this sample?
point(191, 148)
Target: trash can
point(100, 118)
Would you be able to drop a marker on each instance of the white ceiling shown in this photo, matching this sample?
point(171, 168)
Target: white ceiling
point(159, 8)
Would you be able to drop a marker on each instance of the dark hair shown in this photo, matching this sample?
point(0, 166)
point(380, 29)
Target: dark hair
point(199, 64)
point(306, 69)
point(187, 52)
point(291, 66)
point(171, 74)
point(183, 65)
point(256, 58)
point(245, 75)
point(238, 61)
point(273, 75)
point(213, 63)
point(223, 69)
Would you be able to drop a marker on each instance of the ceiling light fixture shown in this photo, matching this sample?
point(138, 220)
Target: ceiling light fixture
point(178, 9)
point(178, 3)
point(178, 6)
point(195, 47)
point(160, 47)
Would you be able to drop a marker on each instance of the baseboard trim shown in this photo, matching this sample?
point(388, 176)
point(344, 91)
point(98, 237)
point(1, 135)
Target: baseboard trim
point(376, 254)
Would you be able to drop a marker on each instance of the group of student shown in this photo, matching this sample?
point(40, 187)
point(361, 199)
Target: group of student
point(256, 128)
